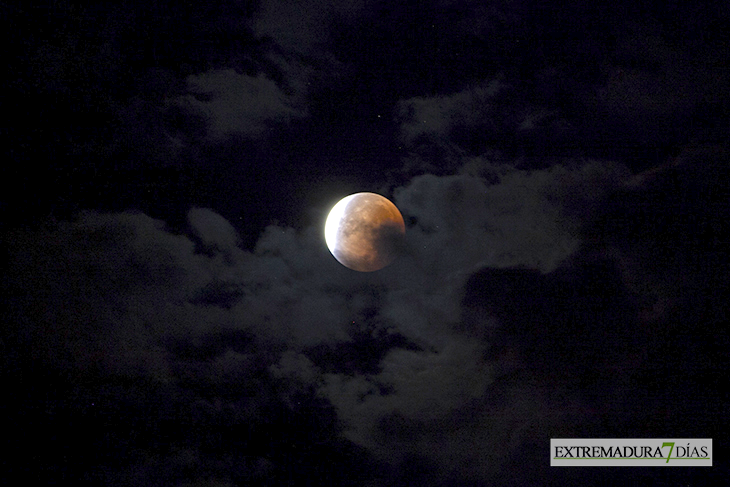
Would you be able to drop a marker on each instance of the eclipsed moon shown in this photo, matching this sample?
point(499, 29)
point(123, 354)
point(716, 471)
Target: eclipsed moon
point(364, 231)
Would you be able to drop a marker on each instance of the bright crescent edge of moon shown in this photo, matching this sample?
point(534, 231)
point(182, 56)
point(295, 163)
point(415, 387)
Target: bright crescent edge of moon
point(332, 225)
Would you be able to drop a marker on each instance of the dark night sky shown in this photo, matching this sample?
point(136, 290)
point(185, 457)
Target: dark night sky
point(173, 317)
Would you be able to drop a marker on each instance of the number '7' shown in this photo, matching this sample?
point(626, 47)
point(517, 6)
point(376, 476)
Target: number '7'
point(670, 444)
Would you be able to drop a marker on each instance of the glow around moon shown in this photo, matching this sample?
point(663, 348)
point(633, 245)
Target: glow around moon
point(364, 231)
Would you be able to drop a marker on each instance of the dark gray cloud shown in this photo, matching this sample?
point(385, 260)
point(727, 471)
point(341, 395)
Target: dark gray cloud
point(561, 171)
point(236, 104)
point(304, 27)
point(440, 116)
point(127, 295)
point(459, 356)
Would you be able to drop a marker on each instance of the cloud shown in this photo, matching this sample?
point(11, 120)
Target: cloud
point(113, 284)
point(665, 234)
point(140, 316)
point(238, 104)
point(650, 78)
point(213, 230)
point(519, 220)
point(532, 299)
point(123, 292)
point(497, 118)
point(303, 27)
point(415, 404)
point(420, 386)
point(438, 116)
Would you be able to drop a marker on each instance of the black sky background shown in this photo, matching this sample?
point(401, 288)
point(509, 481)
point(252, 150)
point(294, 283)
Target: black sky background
point(172, 315)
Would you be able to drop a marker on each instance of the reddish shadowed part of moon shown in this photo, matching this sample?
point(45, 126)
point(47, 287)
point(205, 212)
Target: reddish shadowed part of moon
point(364, 231)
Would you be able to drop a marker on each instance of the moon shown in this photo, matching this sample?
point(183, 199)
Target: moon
point(364, 231)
